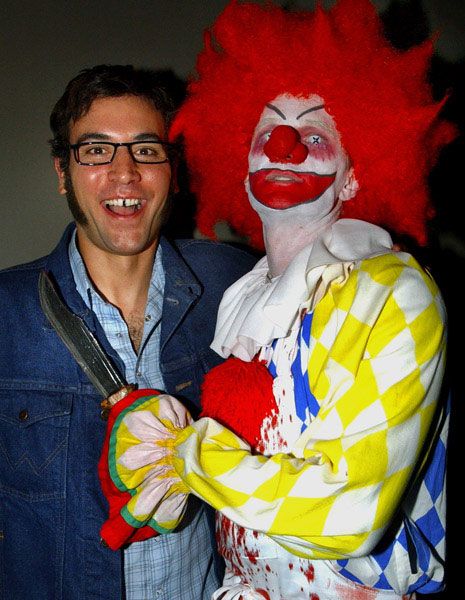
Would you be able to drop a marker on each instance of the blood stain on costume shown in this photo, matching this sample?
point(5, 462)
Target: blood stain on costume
point(240, 536)
point(255, 534)
point(314, 597)
point(361, 593)
point(291, 566)
point(310, 573)
point(252, 555)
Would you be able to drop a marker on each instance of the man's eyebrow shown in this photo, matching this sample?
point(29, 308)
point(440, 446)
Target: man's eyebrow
point(149, 135)
point(276, 110)
point(320, 106)
point(91, 135)
point(94, 135)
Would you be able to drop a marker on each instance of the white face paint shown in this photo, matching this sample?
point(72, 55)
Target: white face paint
point(298, 175)
point(308, 180)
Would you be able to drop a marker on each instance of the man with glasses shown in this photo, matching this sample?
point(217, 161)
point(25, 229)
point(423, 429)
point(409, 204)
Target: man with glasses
point(152, 305)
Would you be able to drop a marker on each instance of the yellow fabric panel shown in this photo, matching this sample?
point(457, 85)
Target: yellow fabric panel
point(392, 490)
point(367, 459)
point(427, 330)
point(301, 520)
point(350, 343)
point(366, 379)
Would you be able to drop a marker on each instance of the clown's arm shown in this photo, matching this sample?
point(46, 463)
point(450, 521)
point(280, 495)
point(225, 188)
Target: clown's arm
point(336, 492)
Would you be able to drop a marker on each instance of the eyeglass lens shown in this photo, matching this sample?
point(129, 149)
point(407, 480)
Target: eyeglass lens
point(98, 153)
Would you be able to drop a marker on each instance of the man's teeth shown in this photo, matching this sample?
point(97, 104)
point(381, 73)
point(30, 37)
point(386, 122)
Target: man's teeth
point(124, 202)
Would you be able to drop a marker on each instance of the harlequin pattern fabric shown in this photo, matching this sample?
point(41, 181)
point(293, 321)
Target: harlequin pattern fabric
point(375, 364)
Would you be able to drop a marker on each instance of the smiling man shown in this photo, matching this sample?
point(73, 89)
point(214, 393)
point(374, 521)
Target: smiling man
point(151, 304)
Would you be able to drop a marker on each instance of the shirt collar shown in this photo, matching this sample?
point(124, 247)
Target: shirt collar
point(87, 290)
point(256, 310)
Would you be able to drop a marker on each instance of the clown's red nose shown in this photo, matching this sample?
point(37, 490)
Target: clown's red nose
point(284, 146)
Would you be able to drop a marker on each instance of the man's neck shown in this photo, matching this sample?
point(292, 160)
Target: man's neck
point(121, 280)
point(284, 241)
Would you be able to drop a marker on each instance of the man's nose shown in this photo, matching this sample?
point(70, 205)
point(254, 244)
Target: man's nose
point(123, 167)
point(284, 146)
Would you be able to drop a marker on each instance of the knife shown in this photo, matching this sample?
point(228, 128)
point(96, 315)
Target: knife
point(83, 345)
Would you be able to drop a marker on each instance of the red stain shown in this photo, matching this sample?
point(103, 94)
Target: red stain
point(291, 566)
point(361, 593)
point(252, 555)
point(310, 573)
point(226, 545)
point(268, 568)
point(264, 593)
point(240, 536)
point(255, 534)
point(314, 597)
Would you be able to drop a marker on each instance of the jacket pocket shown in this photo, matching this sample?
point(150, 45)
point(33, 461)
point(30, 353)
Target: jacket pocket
point(34, 432)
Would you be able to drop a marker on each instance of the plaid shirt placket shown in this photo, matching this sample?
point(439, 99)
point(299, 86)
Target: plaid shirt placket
point(162, 567)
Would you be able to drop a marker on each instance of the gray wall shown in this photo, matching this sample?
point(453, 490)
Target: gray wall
point(45, 43)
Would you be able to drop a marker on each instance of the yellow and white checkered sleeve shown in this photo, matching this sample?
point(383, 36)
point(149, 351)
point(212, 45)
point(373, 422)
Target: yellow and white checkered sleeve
point(375, 367)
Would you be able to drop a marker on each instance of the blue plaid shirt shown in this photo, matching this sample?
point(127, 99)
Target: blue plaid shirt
point(177, 566)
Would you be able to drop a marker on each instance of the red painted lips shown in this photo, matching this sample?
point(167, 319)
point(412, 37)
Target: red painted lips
point(282, 189)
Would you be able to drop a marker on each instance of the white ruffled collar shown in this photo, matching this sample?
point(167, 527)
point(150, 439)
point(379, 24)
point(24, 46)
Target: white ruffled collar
point(255, 310)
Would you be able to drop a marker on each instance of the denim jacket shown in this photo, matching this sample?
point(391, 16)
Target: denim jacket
point(51, 429)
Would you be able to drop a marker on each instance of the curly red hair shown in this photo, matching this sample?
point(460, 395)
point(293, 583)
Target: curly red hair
point(378, 96)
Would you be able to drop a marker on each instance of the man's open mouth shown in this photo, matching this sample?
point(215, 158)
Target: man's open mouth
point(123, 206)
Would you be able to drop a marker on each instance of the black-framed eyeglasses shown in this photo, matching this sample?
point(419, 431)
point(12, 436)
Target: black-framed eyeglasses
point(149, 152)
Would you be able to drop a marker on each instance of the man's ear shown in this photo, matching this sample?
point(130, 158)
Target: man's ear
point(61, 176)
point(350, 187)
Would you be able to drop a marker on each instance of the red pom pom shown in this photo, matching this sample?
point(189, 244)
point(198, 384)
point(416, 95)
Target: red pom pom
point(239, 395)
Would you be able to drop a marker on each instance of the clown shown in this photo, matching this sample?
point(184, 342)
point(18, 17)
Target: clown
point(322, 440)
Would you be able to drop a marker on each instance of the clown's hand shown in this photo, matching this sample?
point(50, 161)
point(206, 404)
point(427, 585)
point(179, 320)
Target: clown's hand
point(149, 495)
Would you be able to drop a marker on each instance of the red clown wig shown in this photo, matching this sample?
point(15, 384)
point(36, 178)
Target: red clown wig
point(377, 95)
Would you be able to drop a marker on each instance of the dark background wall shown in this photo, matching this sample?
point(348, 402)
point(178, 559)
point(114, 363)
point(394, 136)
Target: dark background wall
point(45, 43)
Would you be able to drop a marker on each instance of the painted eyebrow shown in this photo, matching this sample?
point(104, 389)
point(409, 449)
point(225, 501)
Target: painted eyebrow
point(319, 107)
point(140, 137)
point(276, 110)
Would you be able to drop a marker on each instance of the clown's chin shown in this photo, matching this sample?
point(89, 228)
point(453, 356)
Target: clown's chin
point(284, 189)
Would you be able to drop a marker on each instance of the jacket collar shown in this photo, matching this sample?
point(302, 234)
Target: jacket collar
point(182, 288)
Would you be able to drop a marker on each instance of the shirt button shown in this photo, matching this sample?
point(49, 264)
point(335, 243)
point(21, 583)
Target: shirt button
point(148, 317)
point(139, 373)
point(23, 415)
point(103, 543)
point(119, 334)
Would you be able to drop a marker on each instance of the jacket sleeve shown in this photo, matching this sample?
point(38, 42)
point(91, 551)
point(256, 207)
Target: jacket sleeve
point(376, 366)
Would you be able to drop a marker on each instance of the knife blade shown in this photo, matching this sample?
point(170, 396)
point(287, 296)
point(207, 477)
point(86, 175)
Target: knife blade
point(82, 344)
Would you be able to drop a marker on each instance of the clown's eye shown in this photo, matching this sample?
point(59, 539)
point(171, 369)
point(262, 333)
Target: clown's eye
point(315, 140)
